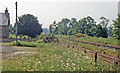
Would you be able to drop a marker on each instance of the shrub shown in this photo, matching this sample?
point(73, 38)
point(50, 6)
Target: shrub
point(24, 43)
point(46, 38)
point(25, 37)
point(19, 36)
point(81, 35)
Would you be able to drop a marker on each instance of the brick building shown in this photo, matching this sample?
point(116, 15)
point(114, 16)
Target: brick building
point(4, 24)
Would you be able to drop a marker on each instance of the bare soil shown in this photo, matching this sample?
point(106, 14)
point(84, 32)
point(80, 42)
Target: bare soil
point(11, 51)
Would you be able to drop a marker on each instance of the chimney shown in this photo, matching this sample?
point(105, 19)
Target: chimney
point(6, 11)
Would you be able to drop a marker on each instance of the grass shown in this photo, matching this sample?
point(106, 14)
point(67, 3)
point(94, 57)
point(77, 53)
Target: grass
point(23, 43)
point(94, 48)
point(53, 57)
point(93, 39)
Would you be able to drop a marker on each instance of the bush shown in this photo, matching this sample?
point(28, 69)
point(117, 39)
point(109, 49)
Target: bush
point(25, 37)
point(19, 36)
point(46, 38)
point(81, 35)
point(24, 43)
point(14, 36)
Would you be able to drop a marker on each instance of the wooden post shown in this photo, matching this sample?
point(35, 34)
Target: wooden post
point(73, 46)
point(95, 57)
point(16, 21)
point(68, 46)
point(85, 51)
point(104, 52)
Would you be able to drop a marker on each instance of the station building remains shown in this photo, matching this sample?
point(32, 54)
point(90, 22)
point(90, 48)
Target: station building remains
point(4, 24)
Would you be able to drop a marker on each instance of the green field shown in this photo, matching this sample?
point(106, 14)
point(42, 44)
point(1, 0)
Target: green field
point(56, 57)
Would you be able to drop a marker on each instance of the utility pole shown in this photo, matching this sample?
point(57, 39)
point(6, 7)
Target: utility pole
point(16, 21)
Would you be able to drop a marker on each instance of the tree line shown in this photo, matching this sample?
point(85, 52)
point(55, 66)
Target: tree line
point(86, 25)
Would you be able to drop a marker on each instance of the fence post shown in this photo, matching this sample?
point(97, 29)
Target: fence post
point(73, 46)
point(85, 51)
point(95, 57)
point(68, 46)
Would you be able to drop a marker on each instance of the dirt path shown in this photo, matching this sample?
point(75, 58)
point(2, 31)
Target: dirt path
point(10, 51)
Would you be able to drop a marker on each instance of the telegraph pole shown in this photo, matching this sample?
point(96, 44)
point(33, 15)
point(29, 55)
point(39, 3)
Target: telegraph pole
point(16, 21)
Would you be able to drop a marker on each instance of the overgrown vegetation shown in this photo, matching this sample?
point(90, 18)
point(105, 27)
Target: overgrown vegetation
point(46, 38)
point(93, 48)
point(12, 36)
point(91, 39)
point(24, 43)
point(57, 58)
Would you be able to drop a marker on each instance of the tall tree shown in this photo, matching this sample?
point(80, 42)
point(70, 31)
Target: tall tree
point(29, 25)
point(104, 22)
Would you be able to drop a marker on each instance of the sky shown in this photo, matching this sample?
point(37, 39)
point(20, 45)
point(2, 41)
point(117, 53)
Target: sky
point(48, 11)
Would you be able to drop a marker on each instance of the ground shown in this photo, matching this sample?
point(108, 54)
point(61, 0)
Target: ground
point(12, 51)
point(51, 57)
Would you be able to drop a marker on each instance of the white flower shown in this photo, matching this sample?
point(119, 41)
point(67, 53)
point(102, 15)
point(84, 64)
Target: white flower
point(74, 68)
point(67, 64)
point(81, 68)
point(57, 65)
point(73, 64)
point(51, 66)
point(68, 59)
point(61, 60)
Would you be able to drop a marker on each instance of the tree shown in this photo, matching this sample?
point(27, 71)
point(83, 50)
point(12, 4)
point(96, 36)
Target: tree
point(116, 27)
point(11, 29)
point(104, 23)
point(29, 25)
point(110, 29)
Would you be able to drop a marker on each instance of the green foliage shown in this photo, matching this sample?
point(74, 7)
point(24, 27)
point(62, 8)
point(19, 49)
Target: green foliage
point(11, 29)
point(23, 43)
point(81, 35)
point(46, 38)
point(29, 25)
point(116, 28)
point(12, 36)
point(85, 26)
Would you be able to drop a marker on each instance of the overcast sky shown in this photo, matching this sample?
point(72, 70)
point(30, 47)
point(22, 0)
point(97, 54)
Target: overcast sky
point(49, 10)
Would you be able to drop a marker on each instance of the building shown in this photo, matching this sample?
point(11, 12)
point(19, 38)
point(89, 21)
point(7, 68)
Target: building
point(4, 24)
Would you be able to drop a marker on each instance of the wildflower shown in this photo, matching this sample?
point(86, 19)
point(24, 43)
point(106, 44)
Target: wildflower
point(74, 68)
point(51, 66)
point(68, 59)
point(61, 60)
point(81, 68)
point(67, 64)
point(57, 65)
point(73, 64)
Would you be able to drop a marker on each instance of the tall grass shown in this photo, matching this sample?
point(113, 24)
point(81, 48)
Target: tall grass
point(110, 41)
point(53, 57)
point(23, 43)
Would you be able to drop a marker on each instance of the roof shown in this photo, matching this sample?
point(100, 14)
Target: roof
point(4, 18)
